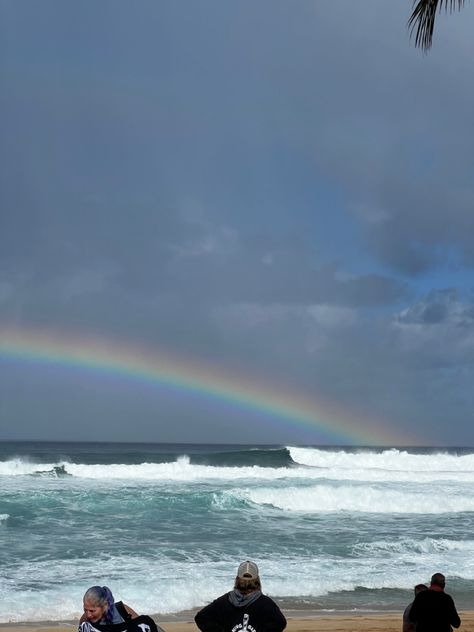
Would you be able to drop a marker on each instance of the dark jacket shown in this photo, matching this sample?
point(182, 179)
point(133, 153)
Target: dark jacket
point(434, 611)
point(142, 623)
point(261, 615)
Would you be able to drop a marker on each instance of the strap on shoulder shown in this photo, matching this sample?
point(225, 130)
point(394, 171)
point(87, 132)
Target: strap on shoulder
point(126, 616)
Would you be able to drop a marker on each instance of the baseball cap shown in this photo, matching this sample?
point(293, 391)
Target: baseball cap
point(247, 570)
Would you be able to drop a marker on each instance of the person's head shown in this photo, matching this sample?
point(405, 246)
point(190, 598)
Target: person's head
point(98, 604)
point(247, 580)
point(438, 579)
point(420, 588)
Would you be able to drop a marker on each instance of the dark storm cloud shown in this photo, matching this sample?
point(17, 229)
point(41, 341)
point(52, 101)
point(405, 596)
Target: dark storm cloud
point(277, 187)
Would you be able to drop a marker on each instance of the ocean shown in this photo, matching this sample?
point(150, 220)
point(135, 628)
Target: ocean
point(165, 526)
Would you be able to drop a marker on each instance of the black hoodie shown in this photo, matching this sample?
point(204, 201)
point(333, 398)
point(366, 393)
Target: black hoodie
point(433, 610)
point(234, 612)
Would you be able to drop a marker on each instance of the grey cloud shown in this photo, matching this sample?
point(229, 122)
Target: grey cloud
point(437, 334)
point(440, 307)
point(261, 185)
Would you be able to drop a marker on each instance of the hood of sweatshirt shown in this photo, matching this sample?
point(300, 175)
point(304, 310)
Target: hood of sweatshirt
point(239, 600)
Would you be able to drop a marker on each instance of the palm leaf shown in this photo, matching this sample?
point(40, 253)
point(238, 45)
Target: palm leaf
point(422, 20)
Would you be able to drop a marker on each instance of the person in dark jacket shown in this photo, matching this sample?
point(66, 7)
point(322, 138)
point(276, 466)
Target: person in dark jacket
point(433, 610)
point(244, 609)
point(408, 626)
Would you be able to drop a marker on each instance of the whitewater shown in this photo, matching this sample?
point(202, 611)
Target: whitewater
point(332, 529)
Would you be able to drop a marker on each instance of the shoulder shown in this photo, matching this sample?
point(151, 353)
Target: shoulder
point(449, 598)
point(222, 599)
point(125, 611)
point(268, 600)
point(217, 602)
point(424, 595)
point(269, 604)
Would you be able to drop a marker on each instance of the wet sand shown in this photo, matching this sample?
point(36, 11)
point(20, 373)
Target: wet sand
point(386, 622)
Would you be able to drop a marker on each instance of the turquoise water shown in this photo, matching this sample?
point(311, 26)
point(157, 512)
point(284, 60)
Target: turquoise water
point(166, 525)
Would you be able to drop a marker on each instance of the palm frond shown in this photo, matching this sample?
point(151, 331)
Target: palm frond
point(422, 20)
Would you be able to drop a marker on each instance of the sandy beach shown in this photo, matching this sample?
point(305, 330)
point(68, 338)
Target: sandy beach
point(390, 622)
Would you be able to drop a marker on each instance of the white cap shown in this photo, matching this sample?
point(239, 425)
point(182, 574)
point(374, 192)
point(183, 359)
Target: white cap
point(247, 570)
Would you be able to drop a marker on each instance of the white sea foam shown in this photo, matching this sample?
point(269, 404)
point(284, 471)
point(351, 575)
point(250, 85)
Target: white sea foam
point(4, 518)
point(179, 470)
point(412, 546)
point(162, 585)
point(390, 459)
point(312, 464)
point(23, 467)
point(367, 499)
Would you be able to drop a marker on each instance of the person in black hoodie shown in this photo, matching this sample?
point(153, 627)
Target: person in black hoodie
point(433, 610)
point(244, 609)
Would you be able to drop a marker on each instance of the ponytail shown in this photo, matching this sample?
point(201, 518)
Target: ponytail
point(109, 615)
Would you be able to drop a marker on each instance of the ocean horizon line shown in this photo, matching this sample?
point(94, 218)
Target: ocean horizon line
point(245, 445)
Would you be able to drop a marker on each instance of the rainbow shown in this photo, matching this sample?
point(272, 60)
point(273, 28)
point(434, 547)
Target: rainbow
point(162, 369)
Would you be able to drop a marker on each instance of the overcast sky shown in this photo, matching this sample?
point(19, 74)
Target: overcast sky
point(282, 189)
